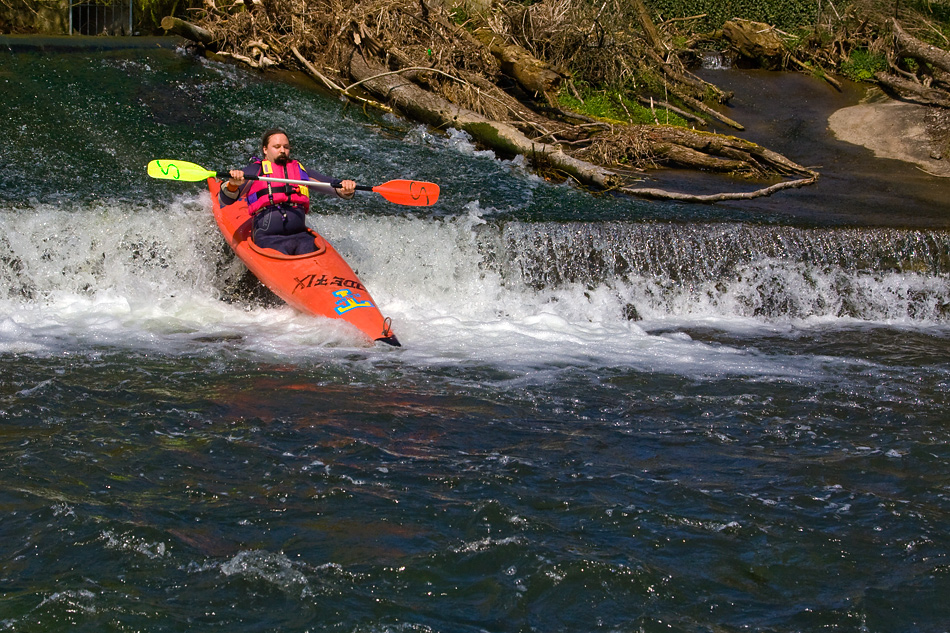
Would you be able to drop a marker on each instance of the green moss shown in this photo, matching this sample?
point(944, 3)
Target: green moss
point(459, 15)
point(613, 106)
point(862, 65)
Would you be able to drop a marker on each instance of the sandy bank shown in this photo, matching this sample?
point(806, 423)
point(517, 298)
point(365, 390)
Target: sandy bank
point(890, 129)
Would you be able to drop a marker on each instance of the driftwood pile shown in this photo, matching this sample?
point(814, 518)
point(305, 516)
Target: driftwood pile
point(926, 80)
point(497, 77)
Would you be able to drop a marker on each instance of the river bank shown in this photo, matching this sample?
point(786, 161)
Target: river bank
point(819, 127)
point(892, 129)
point(869, 173)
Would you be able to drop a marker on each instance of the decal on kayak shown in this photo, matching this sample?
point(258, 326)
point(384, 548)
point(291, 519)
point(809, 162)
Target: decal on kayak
point(310, 281)
point(350, 301)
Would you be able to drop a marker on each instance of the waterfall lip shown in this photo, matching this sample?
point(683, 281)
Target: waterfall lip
point(89, 43)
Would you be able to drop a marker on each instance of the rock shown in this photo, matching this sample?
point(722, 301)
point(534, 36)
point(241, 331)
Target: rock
point(891, 129)
point(755, 40)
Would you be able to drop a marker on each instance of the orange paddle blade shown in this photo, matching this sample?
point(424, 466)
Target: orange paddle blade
point(415, 193)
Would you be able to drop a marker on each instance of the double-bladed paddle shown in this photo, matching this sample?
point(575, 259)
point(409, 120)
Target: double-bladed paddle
point(414, 193)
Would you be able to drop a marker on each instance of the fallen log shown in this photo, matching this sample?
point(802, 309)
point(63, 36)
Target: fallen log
point(424, 106)
point(680, 155)
point(909, 45)
point(755, 40)
point(189, 31)
point(532, 74)
point(912, 91)
point(695, 149)
point(730, 147)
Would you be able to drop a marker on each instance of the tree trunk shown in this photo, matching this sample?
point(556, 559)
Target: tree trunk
point(531, 73)
point(189, 31)
point(910, 45)
point(422, 105)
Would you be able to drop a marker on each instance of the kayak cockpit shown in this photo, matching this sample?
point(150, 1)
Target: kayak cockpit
point(275, 254)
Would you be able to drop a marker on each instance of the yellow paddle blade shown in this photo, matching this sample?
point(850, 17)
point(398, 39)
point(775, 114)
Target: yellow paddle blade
point(178, 170)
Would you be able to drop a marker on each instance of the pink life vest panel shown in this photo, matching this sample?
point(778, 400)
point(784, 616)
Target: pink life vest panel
point(263, 193)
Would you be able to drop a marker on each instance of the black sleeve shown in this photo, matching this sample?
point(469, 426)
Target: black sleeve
point(251, 170)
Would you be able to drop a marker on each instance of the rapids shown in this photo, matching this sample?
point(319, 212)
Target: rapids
point(608, 414)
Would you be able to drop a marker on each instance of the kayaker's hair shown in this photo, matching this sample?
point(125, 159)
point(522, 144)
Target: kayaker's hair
point(269, 133)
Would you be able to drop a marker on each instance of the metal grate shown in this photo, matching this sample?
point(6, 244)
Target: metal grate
point(100, 17)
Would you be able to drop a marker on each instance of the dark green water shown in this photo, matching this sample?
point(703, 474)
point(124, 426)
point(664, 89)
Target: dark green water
point(607, 414)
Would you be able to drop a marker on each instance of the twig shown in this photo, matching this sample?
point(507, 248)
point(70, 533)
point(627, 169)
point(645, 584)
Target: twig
point(329, 83)
point(692, 17)
point(666, 105)
point(662, 194)
point(405, 70)
point(824, 74)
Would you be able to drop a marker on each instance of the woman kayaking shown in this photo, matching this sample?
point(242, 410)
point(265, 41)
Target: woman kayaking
point(279, 209)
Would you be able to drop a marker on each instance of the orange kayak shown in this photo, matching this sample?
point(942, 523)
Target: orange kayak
point(319, 283)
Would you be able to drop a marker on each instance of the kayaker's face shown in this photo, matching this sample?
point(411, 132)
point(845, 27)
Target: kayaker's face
point(277, 149)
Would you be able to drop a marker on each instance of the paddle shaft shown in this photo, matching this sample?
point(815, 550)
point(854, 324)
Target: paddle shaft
point(413, 193)
point(291, 181)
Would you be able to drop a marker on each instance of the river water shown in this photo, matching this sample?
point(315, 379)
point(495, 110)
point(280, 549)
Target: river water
point(608, 414)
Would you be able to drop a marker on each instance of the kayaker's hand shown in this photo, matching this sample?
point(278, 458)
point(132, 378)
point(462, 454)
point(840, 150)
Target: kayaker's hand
point(237, 179)
point(347, 189)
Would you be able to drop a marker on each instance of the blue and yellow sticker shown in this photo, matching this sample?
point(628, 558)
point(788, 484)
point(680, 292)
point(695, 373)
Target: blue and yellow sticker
point(350, 300)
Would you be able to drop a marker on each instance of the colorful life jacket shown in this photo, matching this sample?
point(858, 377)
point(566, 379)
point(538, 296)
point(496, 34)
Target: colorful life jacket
point(264, 193)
